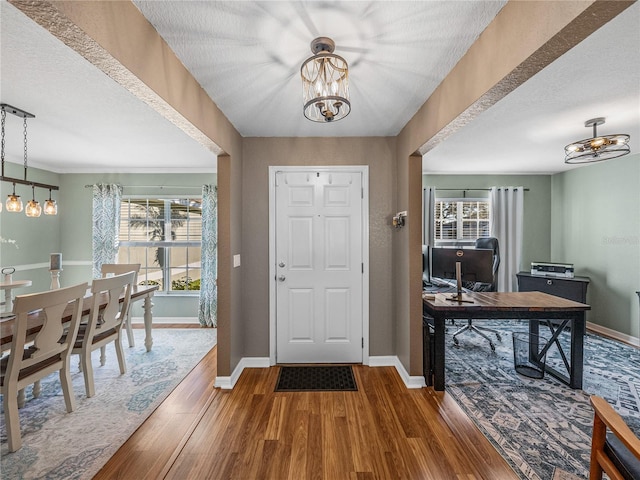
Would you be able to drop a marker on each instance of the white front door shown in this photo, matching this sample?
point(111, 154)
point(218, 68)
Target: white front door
point(319, 266)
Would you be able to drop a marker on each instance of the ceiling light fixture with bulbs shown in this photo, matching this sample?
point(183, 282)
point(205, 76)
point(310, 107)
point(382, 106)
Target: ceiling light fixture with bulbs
point(325, 83)
point(597, 148)
point(14, 203)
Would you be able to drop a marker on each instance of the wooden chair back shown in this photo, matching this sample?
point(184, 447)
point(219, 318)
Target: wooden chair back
point(119, 269)
point(115, 311)
point(105, 324)
point(48, 353)
point(617, 454)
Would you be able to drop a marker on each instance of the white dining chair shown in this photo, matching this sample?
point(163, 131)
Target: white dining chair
point(105, 324)
point(34, 356)
point(118, 269)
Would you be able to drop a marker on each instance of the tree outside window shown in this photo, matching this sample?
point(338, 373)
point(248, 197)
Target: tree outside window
point(164, 236)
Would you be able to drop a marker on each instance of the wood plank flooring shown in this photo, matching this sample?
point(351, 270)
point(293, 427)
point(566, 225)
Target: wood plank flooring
point(382, 431)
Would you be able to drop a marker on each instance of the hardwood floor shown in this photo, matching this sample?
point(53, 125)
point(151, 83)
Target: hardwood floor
point(382, 431)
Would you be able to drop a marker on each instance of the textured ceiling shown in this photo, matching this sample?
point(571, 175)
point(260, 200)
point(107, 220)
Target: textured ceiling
point(528, 130)
point(247, 56)
point(84, 120)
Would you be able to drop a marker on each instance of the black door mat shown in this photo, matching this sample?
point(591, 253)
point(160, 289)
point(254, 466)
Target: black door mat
point(316, 378)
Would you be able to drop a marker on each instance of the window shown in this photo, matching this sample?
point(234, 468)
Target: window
point(461, 221)
point(163, 235)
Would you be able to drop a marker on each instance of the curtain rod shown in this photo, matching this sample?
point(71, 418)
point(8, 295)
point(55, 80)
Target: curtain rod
point(152, 186)
point(473, 189)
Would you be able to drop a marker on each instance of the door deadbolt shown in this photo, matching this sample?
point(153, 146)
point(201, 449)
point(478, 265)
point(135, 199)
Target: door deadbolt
point(281, 264)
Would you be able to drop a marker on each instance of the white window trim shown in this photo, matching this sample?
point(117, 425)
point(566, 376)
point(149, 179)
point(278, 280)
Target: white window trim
point(459, 242)
point(163, 243)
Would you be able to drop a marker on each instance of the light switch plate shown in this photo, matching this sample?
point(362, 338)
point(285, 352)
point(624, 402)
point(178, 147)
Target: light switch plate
point(236, 260)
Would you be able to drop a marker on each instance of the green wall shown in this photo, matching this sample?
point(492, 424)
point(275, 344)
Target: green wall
point(70, 231)
point(537, 207)
point(35, 238)
point(595, 224)
point(588, 216)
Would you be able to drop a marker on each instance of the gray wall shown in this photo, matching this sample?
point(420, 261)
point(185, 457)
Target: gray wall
point(258, 155)
point(537, 207)
point(70, 231)
point(595, 224)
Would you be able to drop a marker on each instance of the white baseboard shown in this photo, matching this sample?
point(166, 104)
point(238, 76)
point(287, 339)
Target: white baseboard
point(227, 383)
point(394, 361)
point(607, 332)
point(156, 320)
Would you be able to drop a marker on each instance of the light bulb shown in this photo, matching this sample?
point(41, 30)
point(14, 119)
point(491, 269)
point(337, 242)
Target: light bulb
point(50, 207)
point(574, 147)
point(33, 209)
point(14, 203)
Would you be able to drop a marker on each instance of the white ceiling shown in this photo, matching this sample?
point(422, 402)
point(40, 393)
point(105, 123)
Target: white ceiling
point(528, 130)
point(247, 56)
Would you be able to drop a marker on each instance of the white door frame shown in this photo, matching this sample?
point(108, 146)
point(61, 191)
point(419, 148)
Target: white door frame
point(362, 169)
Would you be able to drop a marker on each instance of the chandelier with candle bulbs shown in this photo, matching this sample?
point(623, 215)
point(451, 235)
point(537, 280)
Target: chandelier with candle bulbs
point(325, 83)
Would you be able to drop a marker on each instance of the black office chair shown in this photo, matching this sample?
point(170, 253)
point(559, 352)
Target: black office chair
point(490, 243)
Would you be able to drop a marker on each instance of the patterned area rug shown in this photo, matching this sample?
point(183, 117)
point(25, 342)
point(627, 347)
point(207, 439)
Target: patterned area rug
point(541, 427)
point(316, 378)
point(61, 445)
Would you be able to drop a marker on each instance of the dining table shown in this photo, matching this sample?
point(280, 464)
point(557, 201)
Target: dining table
point(8, 285)
point(142, 293)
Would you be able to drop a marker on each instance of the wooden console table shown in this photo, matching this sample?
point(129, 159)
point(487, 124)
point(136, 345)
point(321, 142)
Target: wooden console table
point(533, 306)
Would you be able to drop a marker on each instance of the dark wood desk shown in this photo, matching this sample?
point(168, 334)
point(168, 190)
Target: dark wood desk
point(34, 322)
point(533, 306)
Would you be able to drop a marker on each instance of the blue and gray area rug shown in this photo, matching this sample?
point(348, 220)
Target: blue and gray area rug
point(60, 445)
point(541, 427)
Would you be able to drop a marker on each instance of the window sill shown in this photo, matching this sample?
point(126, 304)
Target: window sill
point(178, 294)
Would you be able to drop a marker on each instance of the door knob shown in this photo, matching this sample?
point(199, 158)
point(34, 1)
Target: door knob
point(282, 278)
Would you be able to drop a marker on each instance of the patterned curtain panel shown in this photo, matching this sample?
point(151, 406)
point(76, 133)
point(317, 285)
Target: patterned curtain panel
point(106, 224)
point(209, 259)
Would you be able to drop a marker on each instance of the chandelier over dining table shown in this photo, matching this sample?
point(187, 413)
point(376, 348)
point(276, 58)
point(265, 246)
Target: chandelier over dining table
point(14, 202)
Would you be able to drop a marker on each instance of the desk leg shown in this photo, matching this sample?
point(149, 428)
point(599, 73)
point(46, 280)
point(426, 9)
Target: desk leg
point(578, 330)
point(438, 361)
point(427, 368)
point(148, 339)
